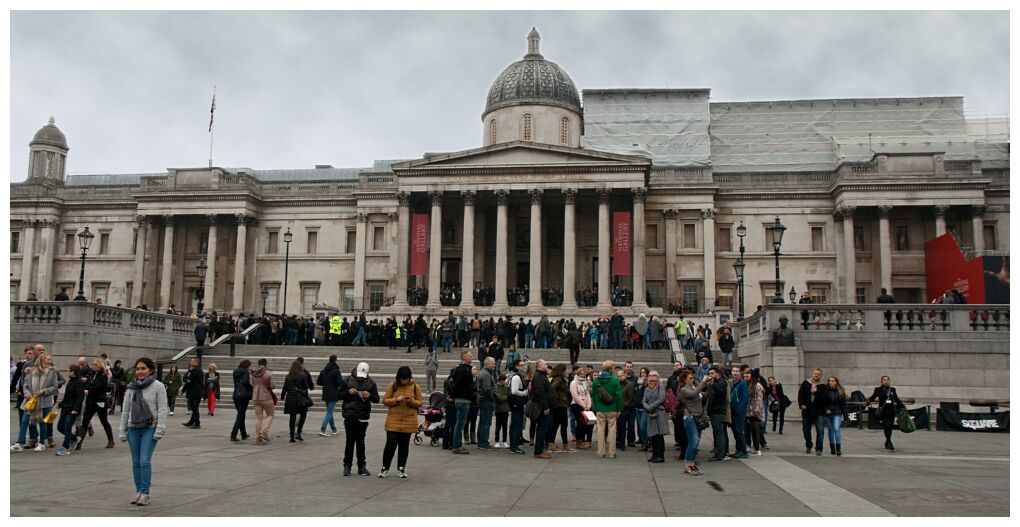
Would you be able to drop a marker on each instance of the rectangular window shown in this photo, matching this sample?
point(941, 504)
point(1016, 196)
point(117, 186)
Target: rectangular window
point(273, 244)
point(70, 246)
point(991, 243)
point(272, 298)
point(14, 291)
point(104, 243)
point(690, 297)
point(862, 295)
point(379, 238)
point(859, 238)
point(651, 236)
point(768, 292)
point(817, 239)
point(724, 239)
point(724, 297)
point(309, 297)
point(313, 242)
point(690, 238)
point(15, 242)
point(819, 293)
point(352, 237)
point(376, 296)
point(100, 292)
point(347, 297)
point(654, 293)
point(902, 238)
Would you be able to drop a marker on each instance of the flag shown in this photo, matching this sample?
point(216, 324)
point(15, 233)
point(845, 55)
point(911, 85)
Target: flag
point(212, 110)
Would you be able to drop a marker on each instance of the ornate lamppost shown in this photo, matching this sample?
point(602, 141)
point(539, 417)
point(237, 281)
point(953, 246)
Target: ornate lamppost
point(738, 267)
point(287, 238)
point(776, 231)
point(200, 292)
point(84, 241)
point(793, 295)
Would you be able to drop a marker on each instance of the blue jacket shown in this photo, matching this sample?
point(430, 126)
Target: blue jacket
point(738, 398)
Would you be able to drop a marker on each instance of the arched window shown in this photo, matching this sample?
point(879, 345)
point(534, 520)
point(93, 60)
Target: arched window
point(526, 132)
point(492, 131)
point(564, 131)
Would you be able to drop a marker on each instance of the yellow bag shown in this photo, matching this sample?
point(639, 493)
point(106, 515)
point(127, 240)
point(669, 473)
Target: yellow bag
point(50, 417)
point(30, 405)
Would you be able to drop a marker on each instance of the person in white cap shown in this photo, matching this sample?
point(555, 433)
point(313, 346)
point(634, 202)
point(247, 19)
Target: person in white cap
point(360, 394)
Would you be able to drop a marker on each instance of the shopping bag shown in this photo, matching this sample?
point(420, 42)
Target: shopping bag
point(30, 405)
point(905, 422)
point(588, 416)
point(50, 417)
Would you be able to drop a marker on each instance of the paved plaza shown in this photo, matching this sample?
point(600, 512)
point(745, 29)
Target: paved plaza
point(199, 472)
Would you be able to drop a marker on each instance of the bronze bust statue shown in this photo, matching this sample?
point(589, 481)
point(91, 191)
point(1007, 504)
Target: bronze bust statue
point(784, 335)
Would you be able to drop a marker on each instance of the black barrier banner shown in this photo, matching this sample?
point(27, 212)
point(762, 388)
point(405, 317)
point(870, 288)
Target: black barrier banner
point(921, 417)
point(972, 422)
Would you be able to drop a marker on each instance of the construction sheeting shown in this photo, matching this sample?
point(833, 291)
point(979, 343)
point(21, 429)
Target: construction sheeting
point(668, 126)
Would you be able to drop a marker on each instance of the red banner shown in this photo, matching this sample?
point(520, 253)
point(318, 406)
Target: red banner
point(621, 243)
point(947, 269)
point(419, 244)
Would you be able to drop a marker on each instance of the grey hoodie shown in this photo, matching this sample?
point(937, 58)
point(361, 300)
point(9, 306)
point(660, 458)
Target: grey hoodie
point(486, 385)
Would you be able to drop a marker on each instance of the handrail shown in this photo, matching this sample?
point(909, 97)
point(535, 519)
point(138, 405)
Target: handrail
point(186, 351)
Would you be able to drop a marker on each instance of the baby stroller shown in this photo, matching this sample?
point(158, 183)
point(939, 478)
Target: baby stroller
point(432, 420)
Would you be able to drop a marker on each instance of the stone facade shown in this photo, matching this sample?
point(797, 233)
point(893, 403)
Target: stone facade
point(859, 197)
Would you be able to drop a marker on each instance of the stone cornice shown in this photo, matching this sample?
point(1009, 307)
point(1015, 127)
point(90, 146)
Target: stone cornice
point(473, 170)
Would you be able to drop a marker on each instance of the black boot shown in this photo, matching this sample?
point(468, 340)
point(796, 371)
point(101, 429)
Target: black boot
point(832, 449)
point(839, 450)
point(347, 470)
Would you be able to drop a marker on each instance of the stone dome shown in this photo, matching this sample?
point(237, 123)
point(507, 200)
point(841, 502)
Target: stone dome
point(533, 80)
point(50, 135)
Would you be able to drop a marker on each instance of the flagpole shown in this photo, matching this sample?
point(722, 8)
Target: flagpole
point(212, 110)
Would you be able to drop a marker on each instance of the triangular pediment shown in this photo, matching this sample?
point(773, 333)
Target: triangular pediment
point(521, 153)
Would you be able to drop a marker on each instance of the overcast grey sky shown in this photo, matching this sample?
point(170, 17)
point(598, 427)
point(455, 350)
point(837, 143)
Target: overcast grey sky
point(131, 90)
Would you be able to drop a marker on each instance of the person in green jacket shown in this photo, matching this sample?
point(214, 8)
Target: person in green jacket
point(502, 411)
point(173, 382)
point(607, 399)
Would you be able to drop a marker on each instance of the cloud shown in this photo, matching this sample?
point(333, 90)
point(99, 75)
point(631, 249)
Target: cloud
point(131, 90)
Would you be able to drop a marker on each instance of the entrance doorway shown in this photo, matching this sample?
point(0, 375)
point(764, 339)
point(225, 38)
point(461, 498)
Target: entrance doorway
point(523, 273)
point(450, 272)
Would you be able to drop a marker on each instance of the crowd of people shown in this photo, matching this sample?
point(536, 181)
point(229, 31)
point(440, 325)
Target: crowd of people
point(502, 402)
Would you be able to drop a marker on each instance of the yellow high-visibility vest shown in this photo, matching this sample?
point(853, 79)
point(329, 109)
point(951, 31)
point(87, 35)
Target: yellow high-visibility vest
point(398, 332)
point(334, 324)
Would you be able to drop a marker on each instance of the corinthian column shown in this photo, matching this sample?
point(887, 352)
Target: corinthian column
point(884, 249)
point(403, 225)
point(210, 275)
point(467, 263)
point(978, 224)
point(569, 248)
point(940, 219)
point(638, 229)
point(168, 262)
point(139, 284)
point(44, 289)
point(239, 262)
point(501, 249)
point(850, 256)
point(27, 257)
point(360, 231)
point(708, 229)
point(604, 280)
point(435, 249)
point(535, 265)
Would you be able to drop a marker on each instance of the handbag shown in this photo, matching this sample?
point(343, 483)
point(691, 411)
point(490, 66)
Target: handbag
point(701, 421)
point(905, 422)
point(50, 417)
point(532, 410)
point(304, 399)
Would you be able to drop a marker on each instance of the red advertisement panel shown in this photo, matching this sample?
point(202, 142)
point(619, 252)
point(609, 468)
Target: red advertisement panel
point(419, 244)
point(621, 243)
point(946, 269)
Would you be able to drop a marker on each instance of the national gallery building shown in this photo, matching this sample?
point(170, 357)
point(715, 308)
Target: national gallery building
point(639, 198)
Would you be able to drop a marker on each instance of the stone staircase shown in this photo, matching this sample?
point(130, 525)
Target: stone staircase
point(383, 363)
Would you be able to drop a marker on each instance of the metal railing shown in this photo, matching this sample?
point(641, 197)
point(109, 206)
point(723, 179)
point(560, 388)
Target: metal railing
point(231, 337)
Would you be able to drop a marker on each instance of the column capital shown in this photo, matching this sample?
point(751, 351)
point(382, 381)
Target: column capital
point(569, 195)
point(404, 198)
point(940, 211)
point(49, 222)
point(393, 216)
point(436, 196)
point(603, 194)
point(243, 219)
point(884, 211)
point(978, 211)
point(535, 195)
point(168, 220)
point(362, 217)
point(213, 219)
point(143, 221)
point(846, 213)
point(708, 214)
point(638, 194)
point(671, 214)
point(502, 195)
point(469, 196)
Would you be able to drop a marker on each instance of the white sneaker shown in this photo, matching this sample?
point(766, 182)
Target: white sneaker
point(757, 452)
point(504, 445)
point(40, 448)
point(401, 472)
point(16, 447)
point(171, 413)
point(383, 473)
point(324, 434)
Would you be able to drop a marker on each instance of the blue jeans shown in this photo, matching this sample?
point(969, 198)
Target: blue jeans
point(33, 433)
point(693, 438)
point(66, 426)
point(463, 408)
point(485, 410)
point(447, 344)
point(541, 431)
point(820, 433)
point(292, 337)
point(328, 418)
point(543, 341)
point(241, 405)
point(719, 436)
point(360, 337)
point(529, 340)
point(624, 425)
point(739, 431)
point(834, 422)
point(516, 427)
point(642, 425)
point(142, 444)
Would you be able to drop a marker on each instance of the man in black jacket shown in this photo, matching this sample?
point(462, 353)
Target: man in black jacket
point(888, 404)
point(332, 383)
point(808, 416)
point(361, 393)
point(543, 397)
point(717, 407)
point(463, 392)
point(194, 389)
